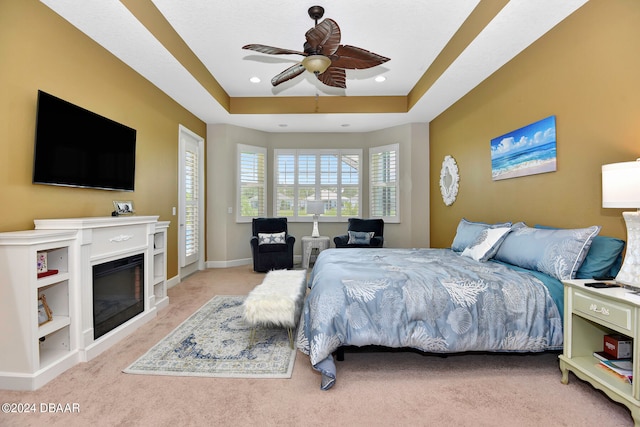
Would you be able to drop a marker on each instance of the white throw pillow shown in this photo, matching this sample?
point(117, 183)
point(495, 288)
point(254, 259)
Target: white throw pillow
point(486, 244)
point(271, 238)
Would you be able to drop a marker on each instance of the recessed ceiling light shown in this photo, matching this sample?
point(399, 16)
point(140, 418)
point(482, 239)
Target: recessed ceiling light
point(380, 79)
point(254, 79)
point(345, 125)
point(283, 125)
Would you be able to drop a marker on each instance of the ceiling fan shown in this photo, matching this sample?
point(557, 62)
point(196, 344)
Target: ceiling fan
point(324, 55)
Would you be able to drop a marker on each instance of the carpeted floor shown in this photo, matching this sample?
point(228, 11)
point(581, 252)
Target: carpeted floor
point(373, 388)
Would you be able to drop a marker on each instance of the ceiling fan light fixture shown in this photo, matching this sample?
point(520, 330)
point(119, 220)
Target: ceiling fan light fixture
point(317, 64)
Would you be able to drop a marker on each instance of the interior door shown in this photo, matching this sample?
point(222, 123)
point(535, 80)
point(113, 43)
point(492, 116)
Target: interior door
point(191, 217)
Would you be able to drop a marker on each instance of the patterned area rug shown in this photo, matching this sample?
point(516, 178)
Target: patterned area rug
point(214, 342)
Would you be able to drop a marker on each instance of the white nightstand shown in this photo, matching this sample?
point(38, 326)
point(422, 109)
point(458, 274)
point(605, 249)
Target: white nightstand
point(309, 243)
point(589, 315)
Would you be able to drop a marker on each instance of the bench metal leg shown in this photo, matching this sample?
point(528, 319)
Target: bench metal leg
point(290, 331)
point(252, 336)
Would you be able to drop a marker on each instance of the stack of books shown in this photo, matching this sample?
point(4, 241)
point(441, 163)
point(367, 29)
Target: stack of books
point(622, 368)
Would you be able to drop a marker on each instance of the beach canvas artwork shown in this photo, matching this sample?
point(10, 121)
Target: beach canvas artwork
point(527, 151)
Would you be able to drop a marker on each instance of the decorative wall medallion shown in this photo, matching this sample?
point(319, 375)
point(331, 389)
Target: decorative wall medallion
point(449, 179)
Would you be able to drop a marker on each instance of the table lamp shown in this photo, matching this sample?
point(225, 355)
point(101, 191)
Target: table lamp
point(315, 207)
point(621, 189)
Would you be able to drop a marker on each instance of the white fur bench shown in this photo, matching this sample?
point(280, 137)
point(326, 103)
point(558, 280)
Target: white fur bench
point(277, 301)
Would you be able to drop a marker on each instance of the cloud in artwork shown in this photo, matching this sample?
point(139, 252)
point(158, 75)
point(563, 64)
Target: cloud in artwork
point(511, 145)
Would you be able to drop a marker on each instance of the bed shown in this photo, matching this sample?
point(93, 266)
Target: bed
point(497, 289)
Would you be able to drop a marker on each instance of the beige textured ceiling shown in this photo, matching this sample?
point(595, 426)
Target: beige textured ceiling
point(191, 49)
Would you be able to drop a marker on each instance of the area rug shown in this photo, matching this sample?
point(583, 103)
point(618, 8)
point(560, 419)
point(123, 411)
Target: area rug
point(214, 342)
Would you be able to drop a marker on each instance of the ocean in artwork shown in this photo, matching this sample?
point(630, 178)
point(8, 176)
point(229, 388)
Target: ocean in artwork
point(526, 151)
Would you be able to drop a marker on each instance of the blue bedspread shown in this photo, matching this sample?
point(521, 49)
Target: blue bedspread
point(432, 300)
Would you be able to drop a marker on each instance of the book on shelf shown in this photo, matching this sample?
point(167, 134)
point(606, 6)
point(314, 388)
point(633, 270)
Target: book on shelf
point(621, 368)
point(601, 355)
point(47, 273)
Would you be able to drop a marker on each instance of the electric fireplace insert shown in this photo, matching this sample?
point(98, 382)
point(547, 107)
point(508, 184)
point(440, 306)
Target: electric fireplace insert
point(118, 293)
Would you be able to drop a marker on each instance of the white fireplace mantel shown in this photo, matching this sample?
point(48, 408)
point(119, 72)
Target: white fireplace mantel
point(99, 240)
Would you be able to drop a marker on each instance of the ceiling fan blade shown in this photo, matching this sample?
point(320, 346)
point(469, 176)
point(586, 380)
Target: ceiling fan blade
point(323, 39)
point(288, 74)
point(272, 50)
point(336, 77)
point(355, 58)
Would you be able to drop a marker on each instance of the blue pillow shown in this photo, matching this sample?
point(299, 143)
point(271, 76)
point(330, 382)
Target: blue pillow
point(360, 237)
point(556, 252)
point(468, 232)
point(604, 257)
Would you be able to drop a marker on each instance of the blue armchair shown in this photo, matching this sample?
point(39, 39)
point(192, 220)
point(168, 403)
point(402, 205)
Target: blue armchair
point(271, 245)
point(355, 229)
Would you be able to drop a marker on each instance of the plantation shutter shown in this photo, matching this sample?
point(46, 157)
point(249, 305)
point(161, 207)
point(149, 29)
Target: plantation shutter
point(383, 183)
point(285, 180)
point(332, 176)
point(252, 184)
point(192, 195)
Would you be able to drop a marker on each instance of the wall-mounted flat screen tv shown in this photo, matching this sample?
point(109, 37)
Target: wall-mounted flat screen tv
point(77, 148)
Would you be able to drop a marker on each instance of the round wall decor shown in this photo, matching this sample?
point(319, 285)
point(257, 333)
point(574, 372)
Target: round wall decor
point(449, 179)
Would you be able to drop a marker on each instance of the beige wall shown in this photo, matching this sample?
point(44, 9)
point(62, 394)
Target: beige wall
point(40, 50)
point(228, 241)
point(586, 73)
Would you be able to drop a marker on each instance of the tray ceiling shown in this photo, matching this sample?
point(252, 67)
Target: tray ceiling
point(191, 50)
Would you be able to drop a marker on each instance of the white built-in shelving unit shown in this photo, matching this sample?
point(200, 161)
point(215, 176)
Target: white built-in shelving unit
point(32, 353)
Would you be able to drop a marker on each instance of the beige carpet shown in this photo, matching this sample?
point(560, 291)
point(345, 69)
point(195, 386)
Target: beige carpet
point(373, 389)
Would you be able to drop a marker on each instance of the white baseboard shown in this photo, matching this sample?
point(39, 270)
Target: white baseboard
point(297, 259)
point(173, 282)
point(227, 264)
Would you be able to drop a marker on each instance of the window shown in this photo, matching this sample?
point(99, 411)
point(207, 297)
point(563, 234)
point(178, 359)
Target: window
point(330, 175)
point(252, 185)
point(383, 183)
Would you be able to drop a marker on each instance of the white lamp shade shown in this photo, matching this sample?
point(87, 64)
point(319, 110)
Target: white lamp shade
point(621, 189)
point(621, 185)
point(315, 207)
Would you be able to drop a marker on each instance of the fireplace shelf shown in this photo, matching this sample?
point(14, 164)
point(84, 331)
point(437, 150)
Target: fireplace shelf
point(160, 265)
point(36, 349)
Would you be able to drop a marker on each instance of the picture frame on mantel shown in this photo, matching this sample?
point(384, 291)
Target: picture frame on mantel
point(122, 208)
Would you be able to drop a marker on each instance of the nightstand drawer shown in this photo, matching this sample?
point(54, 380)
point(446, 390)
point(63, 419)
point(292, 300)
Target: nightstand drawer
point(614, 314)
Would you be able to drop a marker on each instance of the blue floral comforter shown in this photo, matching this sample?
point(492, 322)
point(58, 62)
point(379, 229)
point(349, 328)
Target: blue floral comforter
point(432, 300)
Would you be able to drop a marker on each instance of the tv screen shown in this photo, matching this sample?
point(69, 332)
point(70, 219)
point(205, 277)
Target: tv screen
point(75, 147)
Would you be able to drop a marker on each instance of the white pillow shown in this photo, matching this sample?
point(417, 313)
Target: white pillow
point(486, 244)
point(271, 238)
